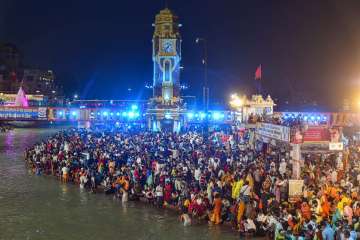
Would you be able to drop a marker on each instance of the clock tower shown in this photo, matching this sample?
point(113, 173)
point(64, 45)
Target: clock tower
point(166, 111)
point(166, 57)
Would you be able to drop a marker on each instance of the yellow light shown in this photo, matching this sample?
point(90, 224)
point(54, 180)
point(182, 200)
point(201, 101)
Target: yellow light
point(236, 101)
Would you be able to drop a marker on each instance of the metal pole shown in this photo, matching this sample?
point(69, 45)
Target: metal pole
point(242, 114)
point(205, 87)
point(206, 76)
point(206, 90)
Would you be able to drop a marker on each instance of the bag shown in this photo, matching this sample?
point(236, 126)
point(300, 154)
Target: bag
point(245, 198)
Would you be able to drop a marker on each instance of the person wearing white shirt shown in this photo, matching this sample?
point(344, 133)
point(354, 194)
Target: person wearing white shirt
point(282, 167)
point(159, 195)
point(197, 173)
point(65, 173)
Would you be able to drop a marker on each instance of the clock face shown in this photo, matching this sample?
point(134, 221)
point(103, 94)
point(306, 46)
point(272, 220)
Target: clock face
point(167, 46)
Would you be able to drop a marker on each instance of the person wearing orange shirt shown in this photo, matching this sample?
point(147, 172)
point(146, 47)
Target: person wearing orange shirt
point(305, 211)
point(325, 206)
point(216, 216)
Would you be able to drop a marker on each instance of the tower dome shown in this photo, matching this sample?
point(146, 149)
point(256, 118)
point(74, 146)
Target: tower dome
point(166, 24)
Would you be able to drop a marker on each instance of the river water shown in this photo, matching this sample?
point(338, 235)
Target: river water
point(40, 207)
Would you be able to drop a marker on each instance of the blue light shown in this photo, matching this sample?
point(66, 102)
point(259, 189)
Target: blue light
point(134, 107)
point(312, 118)
point(217, 115)
point(168, 115)
point(202, 115)
point(105, 113)
point(60, 113)
point(111, 113)
point(137, 114)
point(117, 114)
point(124, 114)
point(318, 118)
point(117, 123)
point(73, 113)
point(190, 115)
point(305, 118)
point(98, 113)
point(324, 118)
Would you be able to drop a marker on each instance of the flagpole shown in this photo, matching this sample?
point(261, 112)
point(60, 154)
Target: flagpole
point(258, 79)
point(259, 87)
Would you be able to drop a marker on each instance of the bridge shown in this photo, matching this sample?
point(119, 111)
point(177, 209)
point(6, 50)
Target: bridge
point(135, 112)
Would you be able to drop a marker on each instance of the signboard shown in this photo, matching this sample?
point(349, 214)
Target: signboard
point(295, 189)
point(19, 113)
point(273, 131)
point(336, 146)
point(316, 134)
point(42, 113)
point(314, 147)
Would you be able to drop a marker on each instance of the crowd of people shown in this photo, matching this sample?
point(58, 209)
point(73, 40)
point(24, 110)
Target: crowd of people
point(222, 178)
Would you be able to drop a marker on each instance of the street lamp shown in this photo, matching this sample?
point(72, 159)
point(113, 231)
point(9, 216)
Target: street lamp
point(76, 96)
point(205, 87)
point(205, 62)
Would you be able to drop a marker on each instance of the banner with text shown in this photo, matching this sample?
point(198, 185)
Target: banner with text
point(316, 134)
point(295, 189)
point(336, 146)
point(19, 113)
point(273, 131)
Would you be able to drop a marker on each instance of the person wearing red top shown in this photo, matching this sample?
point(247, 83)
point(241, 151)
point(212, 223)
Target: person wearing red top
point(168, 191)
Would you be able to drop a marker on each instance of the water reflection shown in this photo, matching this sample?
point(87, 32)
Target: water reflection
point(63, 194)
point(83, 196)
point(9, 139)
point(124, 208)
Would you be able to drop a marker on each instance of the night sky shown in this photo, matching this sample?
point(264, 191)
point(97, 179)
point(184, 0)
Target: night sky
point(308, 49)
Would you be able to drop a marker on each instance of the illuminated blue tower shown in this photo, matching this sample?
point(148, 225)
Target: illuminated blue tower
point(166, 57)
point(165, 111)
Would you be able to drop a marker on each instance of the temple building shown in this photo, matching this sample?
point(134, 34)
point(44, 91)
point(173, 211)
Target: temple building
point(40, 85)
point(165, 110)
